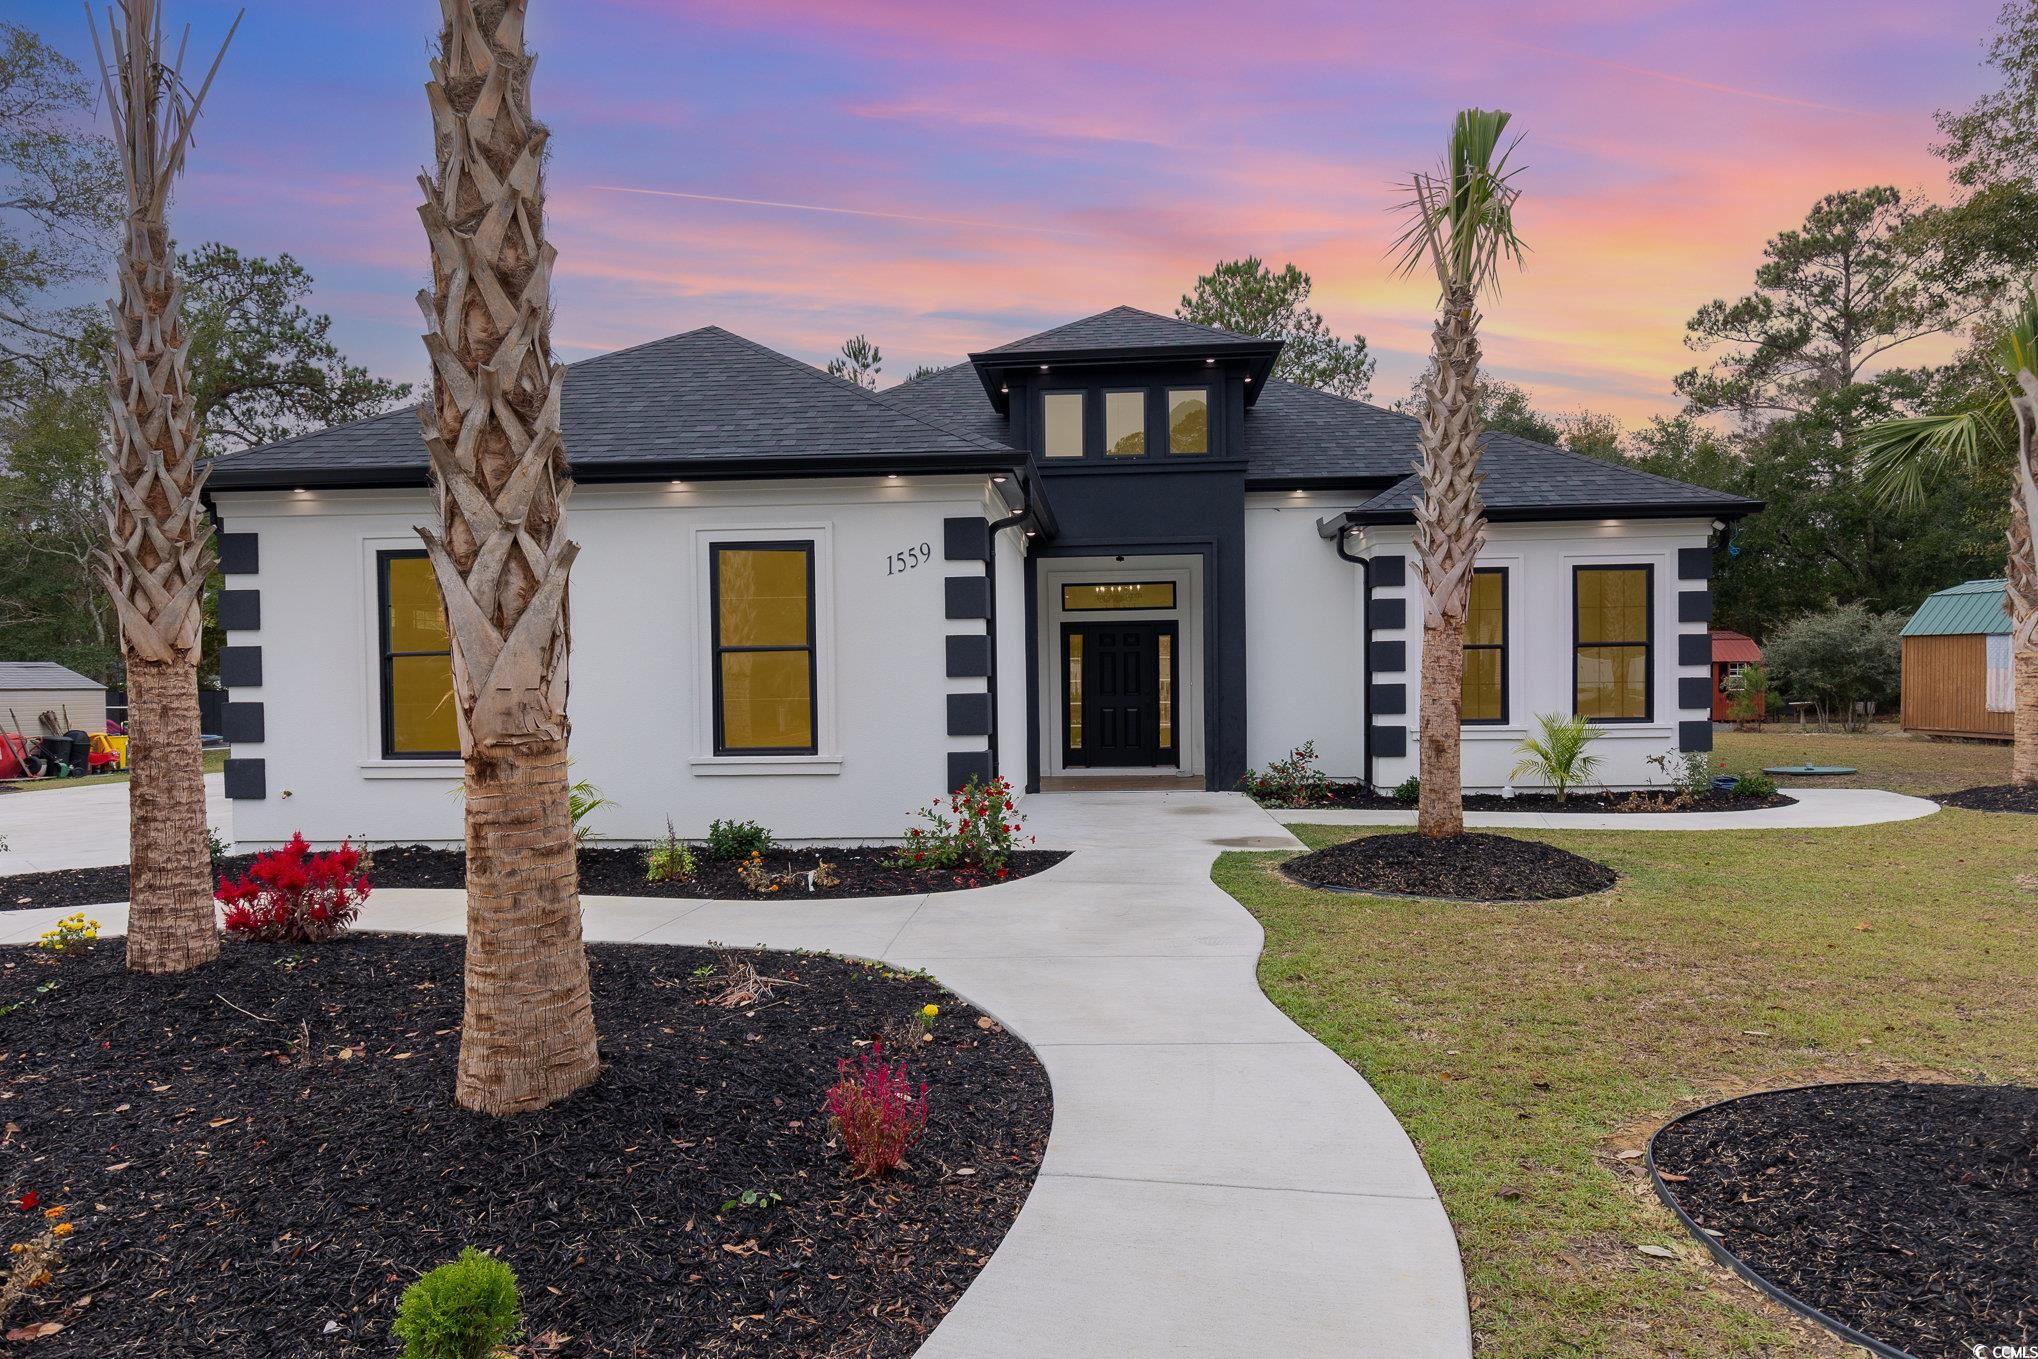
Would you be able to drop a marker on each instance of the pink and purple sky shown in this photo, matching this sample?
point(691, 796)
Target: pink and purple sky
point(944, 176)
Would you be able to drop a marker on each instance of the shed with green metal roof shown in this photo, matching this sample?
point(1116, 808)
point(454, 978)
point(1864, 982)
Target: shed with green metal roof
point(1956, 664)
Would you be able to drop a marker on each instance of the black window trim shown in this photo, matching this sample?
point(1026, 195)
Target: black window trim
point(1168, 391)
point(1174, 595)
point(1648, 642)
point(385, 668)
point(1502, 648)
point(1145, 395)
point(1082, 424)
point(717, 650)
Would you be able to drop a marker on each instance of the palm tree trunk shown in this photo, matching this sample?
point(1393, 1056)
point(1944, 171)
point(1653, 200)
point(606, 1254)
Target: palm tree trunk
point(158, 551)
point(171, 922)
point(1450, 528)
point(501, 557)
point(2021, 587)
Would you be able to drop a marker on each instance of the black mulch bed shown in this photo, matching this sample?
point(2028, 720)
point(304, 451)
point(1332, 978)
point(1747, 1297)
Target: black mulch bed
point(269, 1145)
point(2002, 797)
point(604, 871)
point(1354, 796)
point(1471, 867)
point(1907, 1212)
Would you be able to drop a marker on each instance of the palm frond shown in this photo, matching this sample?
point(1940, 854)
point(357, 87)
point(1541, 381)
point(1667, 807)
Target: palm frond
point(1903, 456)
point(1461, 217)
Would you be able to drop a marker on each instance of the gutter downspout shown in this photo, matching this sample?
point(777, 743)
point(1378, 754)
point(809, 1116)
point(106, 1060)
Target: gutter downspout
point(997, 526)
point(1336, 534)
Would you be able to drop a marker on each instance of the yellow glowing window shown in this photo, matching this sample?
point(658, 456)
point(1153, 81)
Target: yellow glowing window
point(1167, 690)
point(1061, 424)
point(419, 721)
point(1485, 686)
point(1075, 688)
point(1124, 424)
point(1189, 420)
point(1612, 647)
point(764, 648)
point(1130, 594)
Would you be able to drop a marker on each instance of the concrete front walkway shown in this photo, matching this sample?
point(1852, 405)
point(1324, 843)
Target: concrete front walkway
point(1217, 1185)
point(1816, 808)
point(48, 828)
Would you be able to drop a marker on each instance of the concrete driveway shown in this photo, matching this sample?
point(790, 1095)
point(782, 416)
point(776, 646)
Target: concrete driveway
point(49, 828)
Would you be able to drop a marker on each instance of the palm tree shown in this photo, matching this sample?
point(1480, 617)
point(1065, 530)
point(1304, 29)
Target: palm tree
point(159, 549)
point(1462, 225)
point(501, 555)
point(1903, 454)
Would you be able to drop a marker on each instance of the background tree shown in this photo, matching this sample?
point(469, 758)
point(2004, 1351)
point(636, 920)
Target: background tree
point(1462, 226)
point(60, 209)
point(53, 496)
point(501, 556)
point(859, 362)
point(159, 551)
point(1840, 659)
point(1246, 297)
point(1995, 140)
point(922, 370)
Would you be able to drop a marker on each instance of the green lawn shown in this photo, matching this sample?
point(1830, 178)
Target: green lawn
point(1526, 1047)
point(215, 760)
point(1884, 756)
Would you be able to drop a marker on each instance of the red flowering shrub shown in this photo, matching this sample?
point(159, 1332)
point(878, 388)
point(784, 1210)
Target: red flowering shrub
point(876, 1112)
point(293, 896)
point(975, 827)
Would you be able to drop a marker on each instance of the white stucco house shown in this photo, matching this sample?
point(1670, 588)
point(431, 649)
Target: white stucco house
point(1118, 547)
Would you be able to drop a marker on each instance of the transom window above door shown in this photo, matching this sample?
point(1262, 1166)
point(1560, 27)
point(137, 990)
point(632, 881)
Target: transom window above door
point(1129, 594)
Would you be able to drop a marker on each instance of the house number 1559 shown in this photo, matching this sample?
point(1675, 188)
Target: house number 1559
point(901, 562)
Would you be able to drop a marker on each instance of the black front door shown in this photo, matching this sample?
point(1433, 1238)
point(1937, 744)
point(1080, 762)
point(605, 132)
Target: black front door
point(1120, 694)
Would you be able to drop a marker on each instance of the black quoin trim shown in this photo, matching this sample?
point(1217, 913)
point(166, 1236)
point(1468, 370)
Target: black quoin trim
point(240, 554)
point(805, 547)
point(963, 764)
point(966, 597)
point(1389, 615)
point(1387, 657)
point(1389, 743)
point(1694, 691)
point(247, 780)
point(240, 610)
point(1389, 700)
point(242, 724)
point(1389, 573)
point(969, 715)
point(240, 667)
point(1694, 648)
point(1694, 736)
point(1694, 606)
point(969, 655)
point(966, 539)
point(1694, 563)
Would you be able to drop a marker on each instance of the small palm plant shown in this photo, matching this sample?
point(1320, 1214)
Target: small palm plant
point(1557, 754)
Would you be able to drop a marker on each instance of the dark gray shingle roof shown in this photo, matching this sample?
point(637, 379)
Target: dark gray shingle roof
point(706, 397)
point(1122, 328)
point(42, 675)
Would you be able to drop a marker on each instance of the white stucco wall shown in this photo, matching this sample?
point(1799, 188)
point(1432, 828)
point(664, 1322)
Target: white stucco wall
point(642, 726)
point(1303, 630)
point(1540, 558)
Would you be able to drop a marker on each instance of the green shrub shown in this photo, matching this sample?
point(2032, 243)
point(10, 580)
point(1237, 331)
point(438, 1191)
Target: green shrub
point(670, 860)
point(1291, 782)
point(1409, 791)
point(583, 800)
point(1690, 771)
point(1754, 785)
point(737, 839)
point(464, 1309)
point(1556, 756)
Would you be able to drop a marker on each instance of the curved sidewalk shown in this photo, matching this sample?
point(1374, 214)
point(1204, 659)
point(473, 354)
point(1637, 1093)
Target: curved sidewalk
point(1217, 1184)
point(1816, 808)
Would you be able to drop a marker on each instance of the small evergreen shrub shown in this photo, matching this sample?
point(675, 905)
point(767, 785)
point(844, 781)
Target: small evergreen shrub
point(737, 839)
point(1557, 755)
point(1754, 785)
point(293, 896)
point(583, 800)
point(1409, 791)
point(465, 1309)
point(670, 860)
point(876, 1112)
point(975, 827)
point(1293, 781)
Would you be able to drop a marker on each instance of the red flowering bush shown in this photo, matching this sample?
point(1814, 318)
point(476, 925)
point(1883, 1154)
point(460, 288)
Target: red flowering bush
point(975, 827)
point(293, 896)
point(876, 1112)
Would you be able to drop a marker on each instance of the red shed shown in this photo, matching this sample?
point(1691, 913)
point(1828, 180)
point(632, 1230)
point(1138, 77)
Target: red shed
point(1732, 653)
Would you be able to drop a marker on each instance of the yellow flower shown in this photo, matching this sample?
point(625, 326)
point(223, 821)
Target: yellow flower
point(53, 1213)
point(930, 1010)
point(61, 1229)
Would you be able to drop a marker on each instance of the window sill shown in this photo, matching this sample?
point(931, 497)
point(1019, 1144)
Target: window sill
point(412, 769)
point(714, 766)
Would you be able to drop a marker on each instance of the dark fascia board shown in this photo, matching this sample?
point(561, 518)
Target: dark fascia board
point(1529, 514)
point(225, 477)
point(1370, 485)
point(1258, 354)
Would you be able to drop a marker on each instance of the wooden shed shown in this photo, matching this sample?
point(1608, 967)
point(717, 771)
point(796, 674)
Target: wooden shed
point(30, 688)
point(1956, 664)
point(1732, 654)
